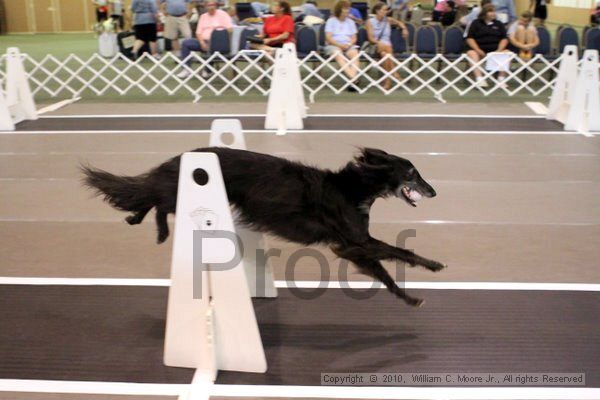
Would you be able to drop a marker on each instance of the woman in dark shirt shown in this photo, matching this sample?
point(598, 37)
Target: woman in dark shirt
point(485, 35)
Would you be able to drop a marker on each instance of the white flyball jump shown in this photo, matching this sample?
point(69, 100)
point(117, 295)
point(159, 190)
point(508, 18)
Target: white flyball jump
point(575, 100)
point(16, 103)
point(211, 323)
point(286, 106)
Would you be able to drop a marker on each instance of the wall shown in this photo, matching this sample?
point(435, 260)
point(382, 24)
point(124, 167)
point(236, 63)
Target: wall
point(561, 15)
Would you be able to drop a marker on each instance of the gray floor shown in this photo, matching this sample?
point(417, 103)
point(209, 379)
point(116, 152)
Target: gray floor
point(516, 208)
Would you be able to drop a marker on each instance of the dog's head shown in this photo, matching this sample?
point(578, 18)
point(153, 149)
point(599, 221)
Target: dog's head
point(403, 179)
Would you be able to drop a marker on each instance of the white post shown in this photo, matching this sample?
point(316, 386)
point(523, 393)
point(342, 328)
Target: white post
point(18, 92)
point(584, 113)
point(564, 88)
point(286, 107)
point(6, 121)
point(211, 323)
point(254, 243)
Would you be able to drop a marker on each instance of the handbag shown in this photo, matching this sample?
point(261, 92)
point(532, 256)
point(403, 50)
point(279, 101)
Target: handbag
point(255, 39)
point(369, 48)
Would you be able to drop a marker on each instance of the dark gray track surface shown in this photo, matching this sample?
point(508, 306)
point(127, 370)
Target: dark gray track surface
point(115, 333)
point(311, 123)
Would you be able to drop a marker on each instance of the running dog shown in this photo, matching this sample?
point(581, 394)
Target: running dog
point(293, 201)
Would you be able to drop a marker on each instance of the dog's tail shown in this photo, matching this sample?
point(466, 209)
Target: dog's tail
point(125, 193)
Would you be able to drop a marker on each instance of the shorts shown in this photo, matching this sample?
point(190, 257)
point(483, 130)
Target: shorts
point(145, 32)
point(541, 12)
point(174, 25)
point(331, 49)
point(101, 14)
point(120, 20)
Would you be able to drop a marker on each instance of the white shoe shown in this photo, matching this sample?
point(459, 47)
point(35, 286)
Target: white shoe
point(205, 74)
point(183, 74)
point(481, 82)
point(156, 56)
point(501, 83)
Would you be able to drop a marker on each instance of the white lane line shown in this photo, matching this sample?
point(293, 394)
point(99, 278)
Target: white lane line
point(110, 388)
point(575, 287)
point(262, 131)
point(474, 116)
point(537, 107)
point(287, 391)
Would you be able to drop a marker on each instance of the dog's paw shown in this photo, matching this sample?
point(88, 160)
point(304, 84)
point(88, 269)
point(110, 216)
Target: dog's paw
point(412, 301)
point(436, 266)
point(132, 220)
point(161, 238)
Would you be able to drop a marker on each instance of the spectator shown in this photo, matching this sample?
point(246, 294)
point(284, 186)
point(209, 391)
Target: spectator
point(505, 10)
point(232, 12)
point(259, 8)
point(595, 14)
point(177, 20)
point(472, 16)
point(379, 31)
point(397, 7)
point(101, 10)
point(444, 12)
point(523, 36)
point(540, 11)
point(116, 12)
point(356, 16)
point(309, 8)
point(212, 19)
point(340, 39)
point(485, 35)
point(277, 29)
point(144, 25)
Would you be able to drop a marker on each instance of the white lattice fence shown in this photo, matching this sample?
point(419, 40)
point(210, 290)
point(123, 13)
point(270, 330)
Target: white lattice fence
point(250, 72)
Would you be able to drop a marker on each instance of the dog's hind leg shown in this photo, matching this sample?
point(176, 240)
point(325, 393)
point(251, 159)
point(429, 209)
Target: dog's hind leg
point(373, 268)
point(383, 251)
point(138, 216)
point(163, 227)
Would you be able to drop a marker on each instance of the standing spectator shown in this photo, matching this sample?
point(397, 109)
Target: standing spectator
point(101, 10)
point(177, 20)
point(340, 39)
point(212, 19)
point(540, 11)
point(485, 35)
point(116, 12)
point(505, 10)
point(523, 36)
point(397, 7)
point(595, 14)
point(278, 29)
point(379, 31)
point(472, 16)
point(144, 25)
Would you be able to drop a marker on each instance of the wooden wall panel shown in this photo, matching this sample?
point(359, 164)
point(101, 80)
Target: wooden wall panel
point(16, 16)
point(73, 16)
point(45, 12)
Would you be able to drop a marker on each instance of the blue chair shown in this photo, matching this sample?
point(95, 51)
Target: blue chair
point(326, 13)
point(453, 44)
point(583, 35)
point(440, 33)
point(425, 42)
point(411, 34)
point(545, 46)
point(567, 36)
point(246, 33)
point(399, 45)
point(220, 42)
point(306, 41)
point(592, 39)
point(244, 10)
point(362, 36)
point(322, 35)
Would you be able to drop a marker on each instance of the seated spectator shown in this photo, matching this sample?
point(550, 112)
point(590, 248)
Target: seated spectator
point(340, 40)
point(212, 19)
point(310, 8)
point(144, 25)
point(232, 12)
point(595, 14)
point(505, 10)
point(449, 14)
point(379, 31)
point(356, 16)
point(540, 11)
point(397, 7)
point(472, 16)
point(485, 35)
point(523, 36)
point(277, 29)
point(260, 8)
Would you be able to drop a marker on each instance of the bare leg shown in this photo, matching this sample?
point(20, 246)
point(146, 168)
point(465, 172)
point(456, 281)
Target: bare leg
point(137, 45)
point(153, 48)
point(355, 64)
point(475, 59)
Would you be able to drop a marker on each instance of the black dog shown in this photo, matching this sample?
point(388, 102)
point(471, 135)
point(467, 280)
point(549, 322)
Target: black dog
point(290, 200)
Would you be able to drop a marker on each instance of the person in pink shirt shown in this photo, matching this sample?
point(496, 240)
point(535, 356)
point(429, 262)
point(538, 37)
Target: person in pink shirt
point(212, 19)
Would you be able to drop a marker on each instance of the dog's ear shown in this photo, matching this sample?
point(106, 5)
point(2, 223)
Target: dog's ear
point(372, 157)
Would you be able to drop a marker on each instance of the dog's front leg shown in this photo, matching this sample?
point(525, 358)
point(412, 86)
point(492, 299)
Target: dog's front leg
point(373, 268)
point(384, 251)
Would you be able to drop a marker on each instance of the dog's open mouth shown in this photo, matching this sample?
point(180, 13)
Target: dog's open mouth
point(410, 195)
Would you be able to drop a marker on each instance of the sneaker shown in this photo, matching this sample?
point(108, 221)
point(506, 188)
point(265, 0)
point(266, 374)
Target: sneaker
point(183, 74)
point(156, 56)
point(502, 83)
point(481, 82)
point(205, 74)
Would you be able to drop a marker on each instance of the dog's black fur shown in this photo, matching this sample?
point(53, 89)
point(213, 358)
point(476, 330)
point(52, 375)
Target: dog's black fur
point(290, 200)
